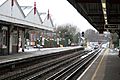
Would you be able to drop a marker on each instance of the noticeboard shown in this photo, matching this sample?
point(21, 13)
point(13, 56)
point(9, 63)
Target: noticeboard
point(111, 26)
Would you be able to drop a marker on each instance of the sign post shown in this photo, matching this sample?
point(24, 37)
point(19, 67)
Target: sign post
point(114, 27)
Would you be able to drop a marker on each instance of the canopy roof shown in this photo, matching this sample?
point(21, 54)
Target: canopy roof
point(93, 11)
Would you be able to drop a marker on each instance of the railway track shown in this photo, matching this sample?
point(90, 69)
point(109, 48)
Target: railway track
point(58, 67)
point(69, 72)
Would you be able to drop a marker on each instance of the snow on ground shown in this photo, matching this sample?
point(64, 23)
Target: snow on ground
point(30, 49)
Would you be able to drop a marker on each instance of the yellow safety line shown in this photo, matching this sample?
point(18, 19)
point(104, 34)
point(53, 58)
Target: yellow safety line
point(94, 75)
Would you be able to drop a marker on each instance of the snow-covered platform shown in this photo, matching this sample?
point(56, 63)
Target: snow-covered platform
point(32, 52)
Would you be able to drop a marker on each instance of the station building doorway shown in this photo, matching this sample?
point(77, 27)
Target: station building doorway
point(4, 40)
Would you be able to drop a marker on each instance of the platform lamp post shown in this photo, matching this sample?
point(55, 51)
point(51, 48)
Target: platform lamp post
point(64, 38)
point(60, 38)
point(51, 45)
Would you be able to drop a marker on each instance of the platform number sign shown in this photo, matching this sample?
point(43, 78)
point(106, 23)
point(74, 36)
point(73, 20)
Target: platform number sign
point(111, 26)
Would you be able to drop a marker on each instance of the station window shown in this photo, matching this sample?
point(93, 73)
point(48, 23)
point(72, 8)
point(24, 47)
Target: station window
point(0, 38)
point(4, 38)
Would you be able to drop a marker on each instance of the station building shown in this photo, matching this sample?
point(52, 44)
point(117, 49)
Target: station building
point(16, 27)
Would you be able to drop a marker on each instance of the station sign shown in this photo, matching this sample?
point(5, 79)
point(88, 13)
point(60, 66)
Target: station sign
point(112, 26)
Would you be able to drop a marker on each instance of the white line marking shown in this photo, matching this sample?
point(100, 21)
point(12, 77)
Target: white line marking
point(89, 66)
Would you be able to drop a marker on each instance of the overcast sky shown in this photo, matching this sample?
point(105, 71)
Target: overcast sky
point(61, 11)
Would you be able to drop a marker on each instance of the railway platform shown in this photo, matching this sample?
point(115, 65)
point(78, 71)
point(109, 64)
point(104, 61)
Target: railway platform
point(24, 55)
point(104, 67)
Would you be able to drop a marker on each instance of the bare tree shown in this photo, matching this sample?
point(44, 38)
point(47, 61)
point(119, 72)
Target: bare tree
point(91, 35)
point(68, 31)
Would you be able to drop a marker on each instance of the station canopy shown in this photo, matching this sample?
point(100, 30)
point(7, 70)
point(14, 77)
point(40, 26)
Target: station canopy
point(99, 12)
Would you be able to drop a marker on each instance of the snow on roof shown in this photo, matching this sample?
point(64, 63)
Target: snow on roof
point(2, 1)
point(48, 21)
point(26, 9)
point(24, 14)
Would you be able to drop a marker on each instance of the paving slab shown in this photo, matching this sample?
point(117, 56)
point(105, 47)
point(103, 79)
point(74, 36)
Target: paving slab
point(105, 67)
